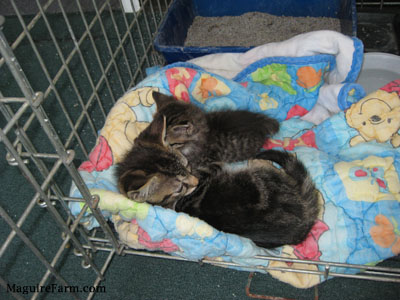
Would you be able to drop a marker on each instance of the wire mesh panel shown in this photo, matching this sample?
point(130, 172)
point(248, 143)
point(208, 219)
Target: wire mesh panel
point(378, 4)
point(63, 64)
point(378, 25)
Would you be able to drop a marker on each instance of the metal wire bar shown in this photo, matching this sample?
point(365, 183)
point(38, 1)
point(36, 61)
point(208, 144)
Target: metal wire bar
point(394, 272)
point(34, 249)
point(25, 213)
point(29, 27)
point(48, 179)
point(7, 100)
point(103, 270)
point(75, 50)
point(376, 273)
point(76, 221)
point(153, 15)
point(121, 44)
point(87, 27)
point(48, 77)
point(138, 70)
point(159, 9)
point(49, 206)
point(89, 77)
point(378, 3)
point(325, 263)
point(70, 77)
point(381, 4)
point(120, 56)
point(142, 62)
point(21, 220)
point(8, 114)
point(22, 147)
point(24, 139)
point(166, 3)
point(40, 155)
point(62, 248)
point(145, 19)
point(109, 47)
point(128, 31)
point(89, 103)
point(6, 286)
point(139, 31)
point(54, 139)
point(144, 58)
point(11, 121)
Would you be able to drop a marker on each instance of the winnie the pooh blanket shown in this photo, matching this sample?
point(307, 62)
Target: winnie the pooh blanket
point(352, 156)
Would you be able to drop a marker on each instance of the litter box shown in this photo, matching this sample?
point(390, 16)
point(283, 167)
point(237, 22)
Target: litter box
point(171, 36)
point(378, 69)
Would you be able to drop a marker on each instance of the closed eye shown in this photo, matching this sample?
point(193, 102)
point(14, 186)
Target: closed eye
point(177, 145)
point(179, 191)
point(180, 128)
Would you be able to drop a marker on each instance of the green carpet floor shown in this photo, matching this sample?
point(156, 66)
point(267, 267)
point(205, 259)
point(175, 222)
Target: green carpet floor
point(128, 277)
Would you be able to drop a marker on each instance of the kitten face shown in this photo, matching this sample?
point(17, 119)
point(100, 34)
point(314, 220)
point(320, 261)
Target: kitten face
point(153, 172)
point(186, 124)
point(157, 188)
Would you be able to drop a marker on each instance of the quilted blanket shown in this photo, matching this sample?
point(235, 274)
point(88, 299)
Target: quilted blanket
point(352, 154)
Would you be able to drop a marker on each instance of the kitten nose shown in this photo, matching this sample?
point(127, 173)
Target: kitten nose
point(192, 181)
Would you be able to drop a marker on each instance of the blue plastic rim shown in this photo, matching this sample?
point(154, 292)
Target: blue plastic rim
point(171, 36)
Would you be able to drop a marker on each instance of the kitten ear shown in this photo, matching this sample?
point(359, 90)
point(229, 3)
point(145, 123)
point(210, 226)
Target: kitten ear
point(131, 180)
point(134, 195)
point(137, 185)
point(157, 130)
point(182, 159)
point(162, 100)
point(164, 132)
point(144, 193)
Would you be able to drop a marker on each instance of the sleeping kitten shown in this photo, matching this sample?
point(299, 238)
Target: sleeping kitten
point(271, 206)
point(222, 136)
point(191, 135)
point(153, 172)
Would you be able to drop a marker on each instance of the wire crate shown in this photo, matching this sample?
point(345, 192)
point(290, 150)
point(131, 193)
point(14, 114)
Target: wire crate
point(378, 5)
point(63, 65)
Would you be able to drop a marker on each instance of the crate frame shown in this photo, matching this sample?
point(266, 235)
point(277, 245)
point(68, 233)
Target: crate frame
point(21, 111)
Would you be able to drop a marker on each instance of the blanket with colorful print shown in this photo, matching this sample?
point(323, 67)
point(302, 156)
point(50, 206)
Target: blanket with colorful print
point(353, 157)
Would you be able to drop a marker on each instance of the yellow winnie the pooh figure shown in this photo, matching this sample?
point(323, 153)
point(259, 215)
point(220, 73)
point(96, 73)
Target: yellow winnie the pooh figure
point(376, 117)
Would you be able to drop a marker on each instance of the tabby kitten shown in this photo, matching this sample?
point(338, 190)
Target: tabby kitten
point(153, 172)
point(271, 206)
point(190, 135)
point(221, 136)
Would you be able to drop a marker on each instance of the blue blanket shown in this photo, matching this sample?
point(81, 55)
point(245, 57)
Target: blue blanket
point(353, 158)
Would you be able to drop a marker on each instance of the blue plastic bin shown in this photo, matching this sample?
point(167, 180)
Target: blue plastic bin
point(171, 36)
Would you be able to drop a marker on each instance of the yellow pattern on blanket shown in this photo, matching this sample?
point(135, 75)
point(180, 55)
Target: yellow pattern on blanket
point(371, 179)
point(122, 125)
point(376, 117)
